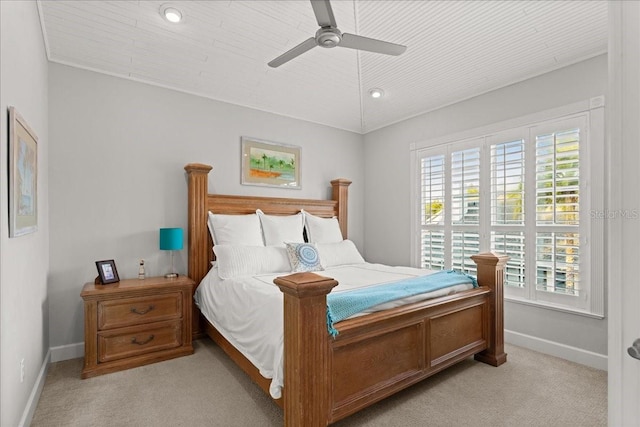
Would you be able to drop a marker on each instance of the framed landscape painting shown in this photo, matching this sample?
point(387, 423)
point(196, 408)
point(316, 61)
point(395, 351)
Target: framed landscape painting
point(23, 176)
point(270, 163)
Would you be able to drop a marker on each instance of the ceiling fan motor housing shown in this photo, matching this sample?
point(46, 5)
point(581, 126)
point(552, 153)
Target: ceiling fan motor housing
point(328, 37)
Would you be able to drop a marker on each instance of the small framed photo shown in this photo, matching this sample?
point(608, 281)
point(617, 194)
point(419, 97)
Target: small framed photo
point(270, 163)
point(107, 271)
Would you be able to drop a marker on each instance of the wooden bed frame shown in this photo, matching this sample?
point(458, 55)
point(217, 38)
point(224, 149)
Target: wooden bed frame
point(374, 356)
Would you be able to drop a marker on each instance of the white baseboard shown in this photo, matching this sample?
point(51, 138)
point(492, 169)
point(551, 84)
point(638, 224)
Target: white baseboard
point(66, 352)
point(34, 397)
point(573, 354)
point(54, 354)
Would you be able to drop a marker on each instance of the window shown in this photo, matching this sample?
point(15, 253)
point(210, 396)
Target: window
point(521, 191)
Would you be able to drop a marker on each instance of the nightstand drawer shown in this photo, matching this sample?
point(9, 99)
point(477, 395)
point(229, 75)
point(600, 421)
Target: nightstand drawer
point(134, 311)
point(128, 342)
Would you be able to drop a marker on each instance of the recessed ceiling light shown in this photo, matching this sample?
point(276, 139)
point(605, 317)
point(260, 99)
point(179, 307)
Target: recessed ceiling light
point(376, 93)
point(170, 13)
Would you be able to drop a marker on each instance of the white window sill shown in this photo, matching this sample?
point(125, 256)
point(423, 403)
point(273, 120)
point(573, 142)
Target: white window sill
point(554, 307)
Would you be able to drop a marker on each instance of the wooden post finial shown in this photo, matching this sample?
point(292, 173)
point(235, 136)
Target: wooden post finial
point(198, 168)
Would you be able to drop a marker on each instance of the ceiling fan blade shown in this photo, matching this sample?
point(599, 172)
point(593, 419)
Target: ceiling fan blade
point(324, 13)
point(292, 53)
point(371, 45)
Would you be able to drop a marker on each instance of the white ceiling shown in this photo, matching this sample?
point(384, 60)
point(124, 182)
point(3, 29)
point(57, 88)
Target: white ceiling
point(456, 50)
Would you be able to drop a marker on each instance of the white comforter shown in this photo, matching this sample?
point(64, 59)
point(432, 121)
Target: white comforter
point(247, 311)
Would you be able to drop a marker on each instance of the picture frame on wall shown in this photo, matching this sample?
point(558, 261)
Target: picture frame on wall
point(270, 164)
point(107, 272)
point(23, 176)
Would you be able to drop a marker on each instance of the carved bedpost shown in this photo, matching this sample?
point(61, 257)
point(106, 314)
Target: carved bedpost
point(198, 179)
point(341, 195)
point(198, 237)
point(491, 274)
point(307, 379)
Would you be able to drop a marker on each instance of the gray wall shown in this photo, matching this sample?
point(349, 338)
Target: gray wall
point(118, 155)
point(387, 194)
point(24, 261)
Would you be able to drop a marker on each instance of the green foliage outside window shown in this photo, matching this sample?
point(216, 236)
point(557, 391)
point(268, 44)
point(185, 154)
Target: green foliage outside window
point(432, 209)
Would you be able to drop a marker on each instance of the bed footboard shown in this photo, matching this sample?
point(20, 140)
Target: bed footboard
point(374, 356)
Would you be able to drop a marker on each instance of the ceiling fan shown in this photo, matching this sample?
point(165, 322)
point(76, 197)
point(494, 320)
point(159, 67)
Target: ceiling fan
point(330, 36)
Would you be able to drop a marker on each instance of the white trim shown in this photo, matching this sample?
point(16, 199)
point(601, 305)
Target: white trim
point(36, 391)
point(567, 352)
point(468, 98)
point(506, 125)
point(596, 190)
point(614, 234)
point(66, 352)
point(623, 131)
point(414, 229)
point(45, 38)
point(54, 354)
point(551, 306)
point(199, 95)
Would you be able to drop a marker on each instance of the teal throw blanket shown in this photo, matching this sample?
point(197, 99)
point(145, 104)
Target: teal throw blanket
point(344, 304)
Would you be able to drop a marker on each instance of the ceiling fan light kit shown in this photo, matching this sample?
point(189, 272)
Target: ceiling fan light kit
point(330, 36)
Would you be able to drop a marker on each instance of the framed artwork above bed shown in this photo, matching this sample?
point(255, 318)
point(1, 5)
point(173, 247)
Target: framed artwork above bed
point(270, 164)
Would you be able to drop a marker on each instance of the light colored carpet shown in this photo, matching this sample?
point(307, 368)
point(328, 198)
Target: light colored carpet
point(207, 389)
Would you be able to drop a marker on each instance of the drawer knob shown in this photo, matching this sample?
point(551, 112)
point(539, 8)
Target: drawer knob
point(136, 311)
point(134, 340)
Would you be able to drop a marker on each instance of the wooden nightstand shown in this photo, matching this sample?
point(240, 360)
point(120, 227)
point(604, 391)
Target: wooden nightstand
point(135, 322)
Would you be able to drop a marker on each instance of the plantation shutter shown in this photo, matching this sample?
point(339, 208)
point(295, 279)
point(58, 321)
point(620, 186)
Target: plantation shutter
point(525, 192)
point(508, 207)
point(557, 178)
point(465, 208)
point(432, 174)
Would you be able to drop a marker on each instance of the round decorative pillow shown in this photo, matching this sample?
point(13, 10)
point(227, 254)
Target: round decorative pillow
point(304, 257)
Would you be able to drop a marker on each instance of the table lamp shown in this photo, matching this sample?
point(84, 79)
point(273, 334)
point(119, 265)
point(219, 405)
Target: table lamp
point(171, 240)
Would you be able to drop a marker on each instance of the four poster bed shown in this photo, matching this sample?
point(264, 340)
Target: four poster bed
point(374, 355)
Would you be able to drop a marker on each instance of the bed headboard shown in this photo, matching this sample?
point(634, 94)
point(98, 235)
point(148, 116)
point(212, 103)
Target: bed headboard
point(200, 202)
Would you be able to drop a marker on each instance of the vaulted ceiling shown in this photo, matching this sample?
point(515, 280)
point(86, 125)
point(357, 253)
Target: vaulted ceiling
point(455, 50)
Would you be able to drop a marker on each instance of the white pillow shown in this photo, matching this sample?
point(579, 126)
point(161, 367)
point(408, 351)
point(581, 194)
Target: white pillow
point(235, 229)
point(322, 230)
point(242, 261)
point(277, 229)
point(304, 257)
point(341, 253)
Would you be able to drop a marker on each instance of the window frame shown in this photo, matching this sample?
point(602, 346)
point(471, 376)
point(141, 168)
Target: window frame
point(590, 302)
